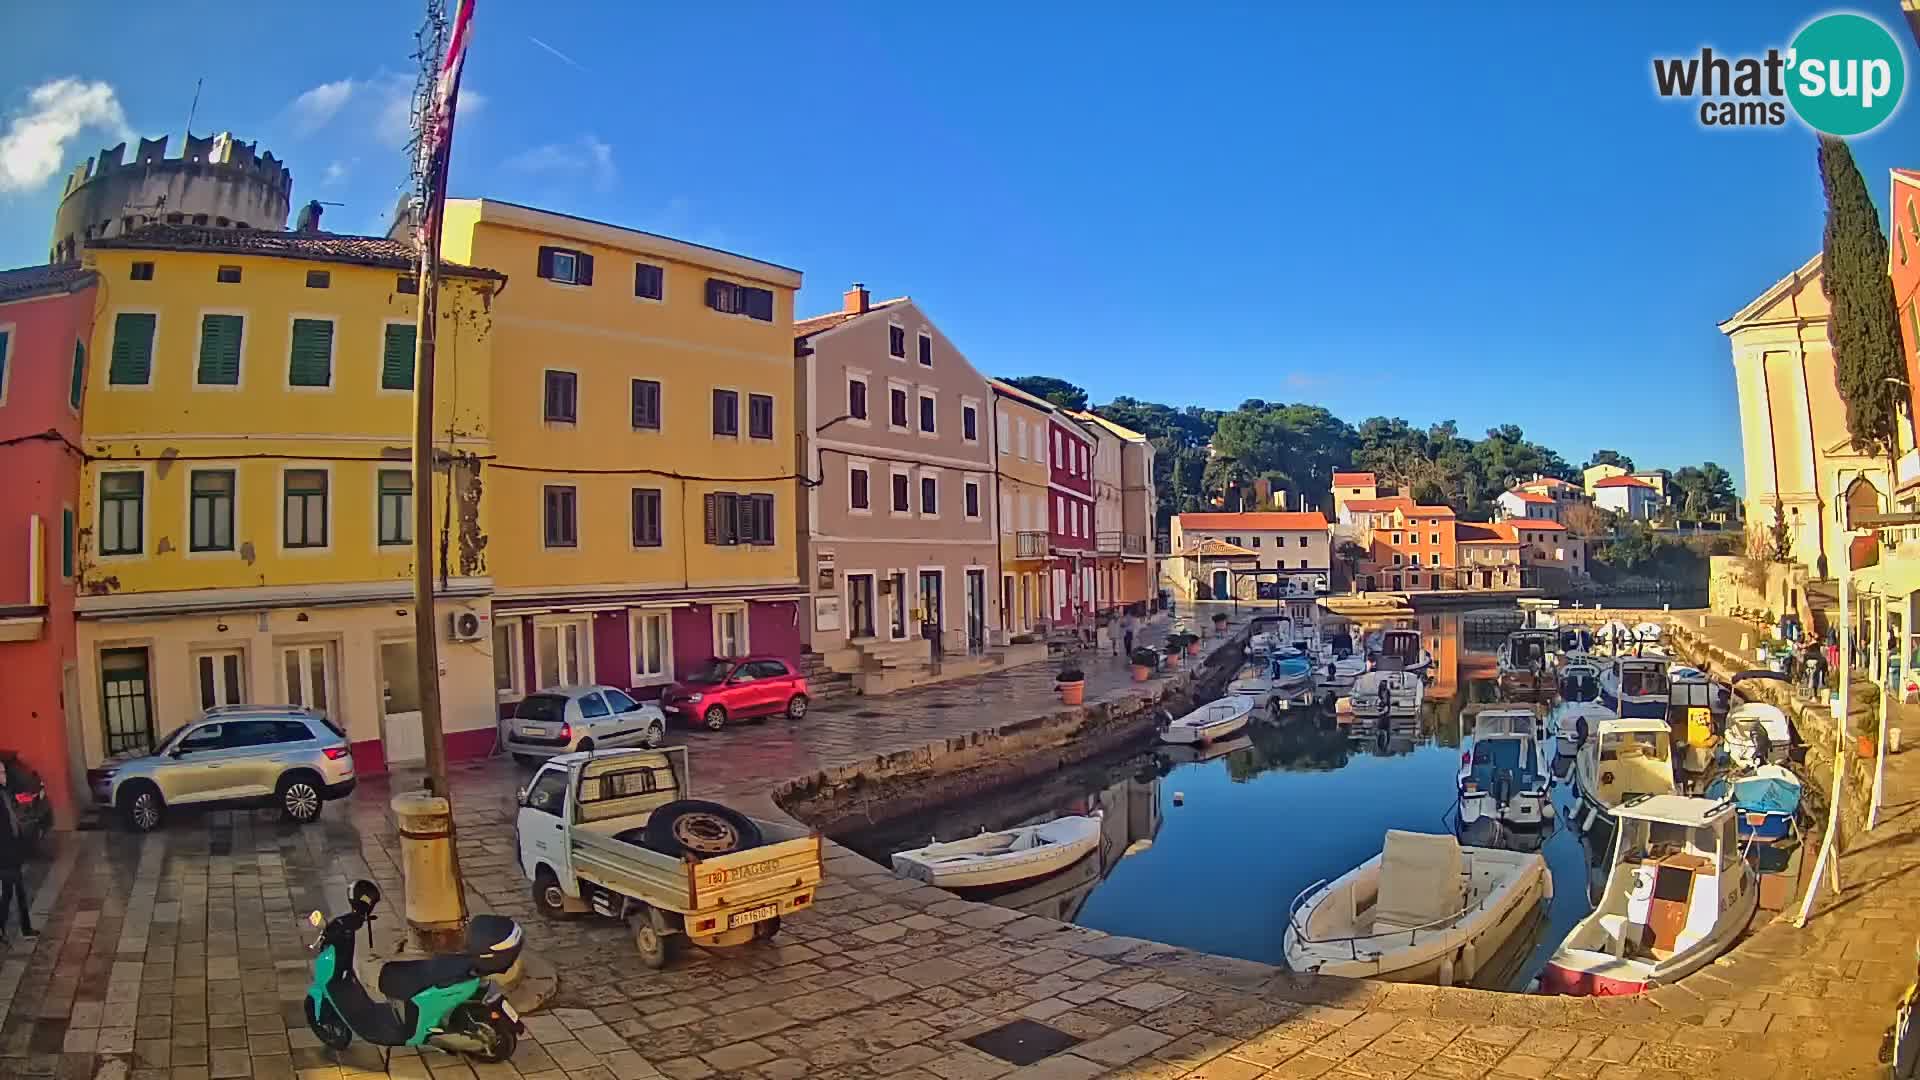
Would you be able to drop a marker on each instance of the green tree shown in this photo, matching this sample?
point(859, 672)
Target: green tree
point(1059, 391)
point(1610, 457)
point(1351, 553)
point(1865, 324)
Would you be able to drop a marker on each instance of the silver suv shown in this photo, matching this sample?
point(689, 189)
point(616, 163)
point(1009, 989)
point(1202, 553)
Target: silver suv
point(231, 756)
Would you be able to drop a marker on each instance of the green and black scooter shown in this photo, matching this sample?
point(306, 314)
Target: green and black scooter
point(448, 1002)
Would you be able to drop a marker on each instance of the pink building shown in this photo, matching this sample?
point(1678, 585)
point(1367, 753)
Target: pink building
point(1071, 523)
point(46, 318)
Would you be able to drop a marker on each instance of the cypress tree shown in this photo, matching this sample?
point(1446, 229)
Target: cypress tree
point(1864, 326)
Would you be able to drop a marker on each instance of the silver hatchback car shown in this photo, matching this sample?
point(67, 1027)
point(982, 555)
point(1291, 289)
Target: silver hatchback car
point(231, 756)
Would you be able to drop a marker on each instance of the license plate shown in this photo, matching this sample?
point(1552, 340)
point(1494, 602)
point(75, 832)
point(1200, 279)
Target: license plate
point(531, 729)
point(507, 1007)
point(759, 914)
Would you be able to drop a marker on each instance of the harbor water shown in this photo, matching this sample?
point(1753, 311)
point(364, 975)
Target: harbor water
point(1208, 848)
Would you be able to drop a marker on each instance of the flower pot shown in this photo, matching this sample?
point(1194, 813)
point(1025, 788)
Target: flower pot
point(1193, 648)
point(1893, 740)
point(1141, 673)
point(1866, 745)
point(1072, 693)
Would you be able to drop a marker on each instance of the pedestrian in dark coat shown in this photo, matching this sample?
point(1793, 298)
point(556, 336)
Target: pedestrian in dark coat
point(13, 853)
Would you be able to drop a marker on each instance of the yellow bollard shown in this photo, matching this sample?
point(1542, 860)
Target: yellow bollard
point(433, 901)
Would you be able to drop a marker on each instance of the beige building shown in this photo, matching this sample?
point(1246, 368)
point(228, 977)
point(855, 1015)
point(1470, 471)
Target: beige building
point(1290, 549)
point(1593, 474)
point(1798, 458)
point(898, 540)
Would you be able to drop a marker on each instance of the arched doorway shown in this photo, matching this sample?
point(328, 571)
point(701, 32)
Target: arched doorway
point(1862, 501)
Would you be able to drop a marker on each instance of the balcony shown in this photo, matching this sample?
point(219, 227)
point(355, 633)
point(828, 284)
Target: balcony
point(1030, 544)
point(1122, 543)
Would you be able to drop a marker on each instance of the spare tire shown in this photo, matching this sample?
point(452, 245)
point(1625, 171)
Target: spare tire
point(701, 829)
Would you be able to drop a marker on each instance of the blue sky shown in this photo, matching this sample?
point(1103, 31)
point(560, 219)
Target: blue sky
point(1477, 212)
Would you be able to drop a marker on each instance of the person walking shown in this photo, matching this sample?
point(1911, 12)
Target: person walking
point(13, 852)
point(1128, 626)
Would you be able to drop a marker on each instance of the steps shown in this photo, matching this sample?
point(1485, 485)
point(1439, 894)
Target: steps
point(824, 683)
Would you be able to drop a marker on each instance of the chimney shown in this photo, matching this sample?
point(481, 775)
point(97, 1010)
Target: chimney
point(857, 300)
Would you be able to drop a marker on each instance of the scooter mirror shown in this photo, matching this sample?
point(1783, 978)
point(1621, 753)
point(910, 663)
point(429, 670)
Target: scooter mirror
point(316, 920)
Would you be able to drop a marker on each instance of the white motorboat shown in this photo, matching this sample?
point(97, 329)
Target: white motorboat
point(1210, 722)
point(1423, 910)
point(1678, 894)
point(1378, 695)
point(1401, 649)
point(1004, 857)
point(1757, 734)
point(1579, 710)
point(1503, 774)
point(1335, 677)
point(1636, 686)
point(1627, 757)
point(1276, 681)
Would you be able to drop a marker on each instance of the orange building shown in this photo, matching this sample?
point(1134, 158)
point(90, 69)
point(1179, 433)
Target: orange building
point(1903, 266)
point(1411, 548)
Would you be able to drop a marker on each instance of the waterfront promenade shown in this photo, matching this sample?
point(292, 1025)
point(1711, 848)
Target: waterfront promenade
point(179, 956)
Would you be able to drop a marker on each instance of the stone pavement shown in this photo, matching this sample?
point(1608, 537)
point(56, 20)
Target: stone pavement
point(180, 956)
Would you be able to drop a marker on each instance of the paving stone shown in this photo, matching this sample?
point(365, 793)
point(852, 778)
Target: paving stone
point(1147, 995)
point(1124, 1045)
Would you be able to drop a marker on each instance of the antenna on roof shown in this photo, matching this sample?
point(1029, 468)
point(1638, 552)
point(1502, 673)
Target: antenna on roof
point(195, 107)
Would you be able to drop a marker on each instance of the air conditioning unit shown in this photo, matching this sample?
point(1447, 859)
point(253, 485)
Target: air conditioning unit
point(466, 626)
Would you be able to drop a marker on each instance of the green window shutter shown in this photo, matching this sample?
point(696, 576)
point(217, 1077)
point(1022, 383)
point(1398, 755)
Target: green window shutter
point(132, 363)
point(396, 363)
point(66, 543)
point(312, 362)
point(3, 361)
point(220, 350)
point(79, 374)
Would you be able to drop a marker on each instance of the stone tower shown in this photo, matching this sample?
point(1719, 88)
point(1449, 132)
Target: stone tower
point(217, 181)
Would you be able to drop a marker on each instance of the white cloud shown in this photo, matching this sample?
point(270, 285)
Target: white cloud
point(35, 144)
point(588, 157)
point(337, 172)
point(317, 107)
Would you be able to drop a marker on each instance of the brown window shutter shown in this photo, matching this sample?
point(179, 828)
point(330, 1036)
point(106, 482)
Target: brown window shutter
point(713, 518)
point(763, 519)
point(582, 268)
point(546, 262)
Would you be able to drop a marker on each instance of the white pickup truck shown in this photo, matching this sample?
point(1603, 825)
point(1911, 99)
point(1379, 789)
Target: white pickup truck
point(611, 832)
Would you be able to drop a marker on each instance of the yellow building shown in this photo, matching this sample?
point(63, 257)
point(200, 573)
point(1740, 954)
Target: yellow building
point(645, 441)
point(1020, 436)
point(245, 513)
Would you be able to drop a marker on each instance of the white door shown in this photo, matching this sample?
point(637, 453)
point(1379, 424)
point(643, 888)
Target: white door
point(221, 677)
point(400, 731)
point(541, 824)
point(310, 678)
point(562, 655)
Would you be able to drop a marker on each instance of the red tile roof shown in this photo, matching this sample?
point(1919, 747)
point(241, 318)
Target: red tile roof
point(40, 280)
point(1547, 482)
point(1537, 524)
point(375, 251)
point(1622, 481)
point(821, 323)
point(1531, 496)
point(1467, 532)
point(1352, 479)
point(1256, 521)
point(1398, 502)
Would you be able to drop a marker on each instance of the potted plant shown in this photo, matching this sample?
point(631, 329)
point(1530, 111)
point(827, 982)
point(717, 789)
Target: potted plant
point(1144, 661)
point(1867, 736)
point(1072, 684)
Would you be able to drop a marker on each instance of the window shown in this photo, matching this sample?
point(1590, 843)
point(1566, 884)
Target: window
point(123, 498)
point(897, 341)
point(396, 506)
point(1039, 443)
point(566, 266)
point(593, 706)
point(1057, 462)
point(734, 519)
point(311, 359)
point(856, 398)
point(646, 405)
point(900, 490)
point(1434, 559)
point(227, 275)
point(729, 631)
point(396, 357)
point(927, 413)
point(210, 495)
point(930, 496)
point(726, 412)
point(760, 416)
point(319, 279)
point(897, 399)
point(141, 271)
point(221, 682)
point(561, 525)
point(926, 350)
point(125, 703)
point(1303, 541)
point(406, 285)
point(1234, 540)
point(1020, 444)
point(304, 524)
point(549, 793)
point(646, 517)
point(1396, 538)
point(508, 666)
point(1256, 542)
point(1396, 558)
point(1303, 564)
point(132, 360)
point(79, 381)
point(970, 423)
point(1006, 512)
point(1000, 432)
point(652, 633)
point(731, 299)
point(857, 495)
point(1434, 539)
point(562, 399)
point(972, 491)
point(1413, 579)
point(649, 281)
point(220, 337)
point(66, 541)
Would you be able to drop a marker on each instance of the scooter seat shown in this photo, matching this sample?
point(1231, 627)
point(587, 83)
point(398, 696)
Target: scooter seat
point(401, 979)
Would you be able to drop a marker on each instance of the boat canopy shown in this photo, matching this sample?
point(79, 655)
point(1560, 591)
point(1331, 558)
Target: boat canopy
point(1580, 682)
point(1683, 810)
point(1623, 725)
point(1420, 881)
point(1503, 722)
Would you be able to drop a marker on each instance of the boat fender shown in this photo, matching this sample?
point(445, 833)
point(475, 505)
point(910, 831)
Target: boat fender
point(1446, 971)
point(1546, 808)
point(1469, 962)
point(1606, 777)
point(1179, 798)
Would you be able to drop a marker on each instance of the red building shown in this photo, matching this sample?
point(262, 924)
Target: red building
point(1071, 531)
point(46, 319)
point(1903, 266)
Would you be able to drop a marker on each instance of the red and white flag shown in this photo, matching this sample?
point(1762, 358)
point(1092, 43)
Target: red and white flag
point(436, 125)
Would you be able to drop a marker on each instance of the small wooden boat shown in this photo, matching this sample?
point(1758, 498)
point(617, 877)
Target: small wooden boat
point(1526, 663)
point(1677, 896)
point(1636, 686)
point(1210, 722)
point(1423, 910)
point(1378, 695)
point(1627, 757)
point(1004, 857)
point(1502, 775)
point(1766, 801)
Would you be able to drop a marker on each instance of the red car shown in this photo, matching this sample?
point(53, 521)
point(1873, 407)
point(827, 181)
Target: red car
point(724, 690)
